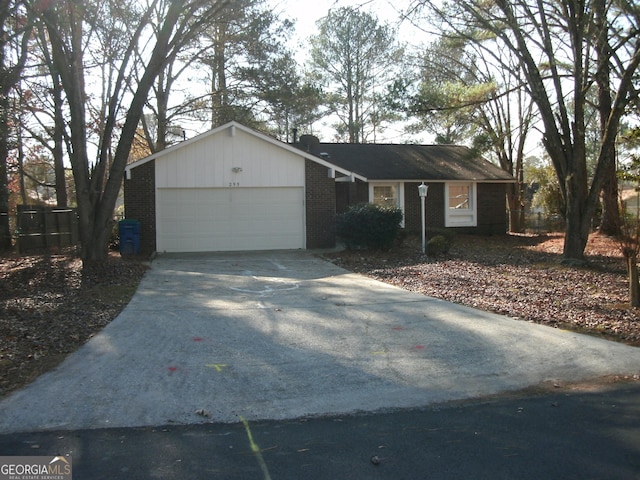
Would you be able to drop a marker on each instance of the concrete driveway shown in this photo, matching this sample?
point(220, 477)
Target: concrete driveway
point(277, 335)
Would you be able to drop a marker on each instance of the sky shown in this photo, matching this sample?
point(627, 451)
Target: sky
point(306, 13)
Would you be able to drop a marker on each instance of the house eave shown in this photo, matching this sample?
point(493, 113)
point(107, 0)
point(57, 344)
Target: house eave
point(439, 180)
point(232, 127)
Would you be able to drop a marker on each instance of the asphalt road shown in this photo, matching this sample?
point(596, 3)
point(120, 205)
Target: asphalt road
point(581, 433)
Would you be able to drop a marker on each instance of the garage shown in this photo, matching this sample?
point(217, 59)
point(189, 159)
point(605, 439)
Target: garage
point(232, 188)
point(228, 219)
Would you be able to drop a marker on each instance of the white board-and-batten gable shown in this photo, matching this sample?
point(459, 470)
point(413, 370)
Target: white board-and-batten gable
point(231, 156)
point(226, 160)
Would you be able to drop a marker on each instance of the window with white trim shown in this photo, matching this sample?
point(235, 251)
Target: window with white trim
point(461, 205)
point(459, 196)
point(388, 194)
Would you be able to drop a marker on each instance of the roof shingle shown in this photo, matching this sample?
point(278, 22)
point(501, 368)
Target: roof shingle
point(410, 162)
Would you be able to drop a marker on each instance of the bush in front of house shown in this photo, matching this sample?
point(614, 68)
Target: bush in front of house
point(369, 226)
point(438, 245)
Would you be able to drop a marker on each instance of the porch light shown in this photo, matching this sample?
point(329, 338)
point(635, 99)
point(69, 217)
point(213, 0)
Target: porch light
point(422, 191)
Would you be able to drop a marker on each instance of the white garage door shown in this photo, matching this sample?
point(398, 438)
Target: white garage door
point(226, 219)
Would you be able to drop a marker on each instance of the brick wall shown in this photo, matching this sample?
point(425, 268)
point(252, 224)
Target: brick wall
point(351, 193)
point(492, 211)
point(492, 217)
point(140, 203)
point(434, 207)
point(320, 203)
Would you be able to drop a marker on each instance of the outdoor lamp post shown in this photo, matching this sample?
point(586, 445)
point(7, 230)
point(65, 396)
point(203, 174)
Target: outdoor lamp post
point(422, 190)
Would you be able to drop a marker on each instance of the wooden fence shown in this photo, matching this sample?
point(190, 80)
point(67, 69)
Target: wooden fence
point(5, 231)
point(41, 228)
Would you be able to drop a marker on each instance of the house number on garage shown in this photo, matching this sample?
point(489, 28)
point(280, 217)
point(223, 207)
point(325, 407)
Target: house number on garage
point(234, 184)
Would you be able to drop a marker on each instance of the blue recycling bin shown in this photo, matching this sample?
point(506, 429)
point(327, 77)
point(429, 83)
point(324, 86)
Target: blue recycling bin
point(129, 231)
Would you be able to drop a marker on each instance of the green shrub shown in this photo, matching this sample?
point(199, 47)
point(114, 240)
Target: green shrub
point(369, 226)
point(448, 233)
point(438, 245)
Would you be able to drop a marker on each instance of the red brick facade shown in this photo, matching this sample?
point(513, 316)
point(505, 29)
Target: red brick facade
point(140, 203)
point(323, 198)
point(492, 209)
point(320, 204)
point(434, 207)
point(492, 218)
point(491, 198)
point(351, 193)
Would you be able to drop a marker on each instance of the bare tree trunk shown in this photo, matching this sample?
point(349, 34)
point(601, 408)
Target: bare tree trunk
point(5, 234)
point(577, 218)
point(162, 124)
point(6, 84)
point(21, 173)
point(516, 209)
point(219, 94)
point(609, 223)
point(575, 242)
point(610, 207)
point(58, 147)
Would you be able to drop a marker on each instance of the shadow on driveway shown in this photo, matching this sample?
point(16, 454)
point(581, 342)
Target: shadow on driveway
point(285, 335)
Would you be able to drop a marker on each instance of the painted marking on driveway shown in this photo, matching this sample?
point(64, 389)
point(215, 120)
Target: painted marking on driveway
point(218, 366)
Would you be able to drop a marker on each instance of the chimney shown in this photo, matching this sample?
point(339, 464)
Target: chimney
point(295, 135)
point(309, 141)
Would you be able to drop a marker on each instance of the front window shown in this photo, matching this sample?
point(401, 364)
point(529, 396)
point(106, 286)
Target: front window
point(459, 197)
point(386, 195)
point(461, 208)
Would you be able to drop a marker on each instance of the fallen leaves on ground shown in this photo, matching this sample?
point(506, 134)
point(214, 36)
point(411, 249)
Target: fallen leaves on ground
point(49, 307)
point(519, 276)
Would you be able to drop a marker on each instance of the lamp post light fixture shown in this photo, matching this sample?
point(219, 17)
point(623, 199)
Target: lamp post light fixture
point(422, 190)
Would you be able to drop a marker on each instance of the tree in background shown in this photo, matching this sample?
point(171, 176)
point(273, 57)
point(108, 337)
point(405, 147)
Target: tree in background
point(506, 121)
point(443, 96)
point(226, 41)
point(547, 195)
point(90, 40)
point(242, 51)
point(560, 48)
point(461, 97)
point(161, 125)
point(629, 223)
point(354, 57)
point(291, 101)
point(253, 78)
point(15, 33)
point(42, 113)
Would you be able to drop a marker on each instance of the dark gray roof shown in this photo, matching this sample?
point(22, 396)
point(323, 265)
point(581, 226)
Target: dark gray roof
point(410, 162)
